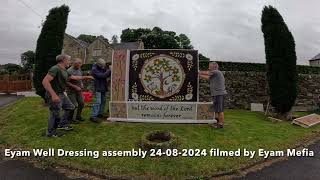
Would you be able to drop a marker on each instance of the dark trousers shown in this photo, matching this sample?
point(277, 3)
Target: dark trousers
point(54, 114)
point(77, 100)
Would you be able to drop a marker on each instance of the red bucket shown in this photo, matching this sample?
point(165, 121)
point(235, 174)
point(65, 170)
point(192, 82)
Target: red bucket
point(87, 96)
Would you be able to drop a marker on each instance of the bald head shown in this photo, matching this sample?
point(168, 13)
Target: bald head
point(213, 66)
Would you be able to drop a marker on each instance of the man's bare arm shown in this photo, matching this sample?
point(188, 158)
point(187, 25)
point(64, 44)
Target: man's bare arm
point(204, 74)
point(77, 88)
point(80, 77)
point(46, 84)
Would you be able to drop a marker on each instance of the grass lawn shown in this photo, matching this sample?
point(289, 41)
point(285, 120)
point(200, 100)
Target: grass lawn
point(24, 123)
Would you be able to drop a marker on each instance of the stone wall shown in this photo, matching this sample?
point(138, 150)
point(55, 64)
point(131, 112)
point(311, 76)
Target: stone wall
point(73, 48)
point(106, 51)
point(251, 87)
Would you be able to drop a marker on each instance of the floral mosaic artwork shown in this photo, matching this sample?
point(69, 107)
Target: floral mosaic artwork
point(119, 75)
point(118, 110)
point(163, 75)
point(205, 112)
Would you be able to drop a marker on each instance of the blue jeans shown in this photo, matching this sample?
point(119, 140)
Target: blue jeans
point(98, 106)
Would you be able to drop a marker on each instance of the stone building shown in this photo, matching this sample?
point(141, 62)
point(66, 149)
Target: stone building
point(75, 47)
point(315, 61)
point(99, 48)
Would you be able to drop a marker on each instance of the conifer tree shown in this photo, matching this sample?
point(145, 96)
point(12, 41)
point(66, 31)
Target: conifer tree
point(280, 59)
point(49, 44)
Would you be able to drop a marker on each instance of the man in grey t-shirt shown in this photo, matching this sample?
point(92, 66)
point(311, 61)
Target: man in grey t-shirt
point(74, 91)
point(217, 90)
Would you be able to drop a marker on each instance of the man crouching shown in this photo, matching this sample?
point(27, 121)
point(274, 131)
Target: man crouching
point(217, 90)
point(55, 84)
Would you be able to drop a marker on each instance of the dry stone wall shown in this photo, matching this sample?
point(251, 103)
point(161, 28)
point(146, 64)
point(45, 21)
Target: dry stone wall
point(251, 87)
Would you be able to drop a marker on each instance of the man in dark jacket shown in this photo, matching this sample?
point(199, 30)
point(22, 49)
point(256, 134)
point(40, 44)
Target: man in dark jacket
point(100, 74)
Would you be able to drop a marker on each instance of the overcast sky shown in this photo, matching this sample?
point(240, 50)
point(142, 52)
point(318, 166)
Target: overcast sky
point(227, 30)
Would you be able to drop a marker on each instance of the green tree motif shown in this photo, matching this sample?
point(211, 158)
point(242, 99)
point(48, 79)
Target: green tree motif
point(163, 71)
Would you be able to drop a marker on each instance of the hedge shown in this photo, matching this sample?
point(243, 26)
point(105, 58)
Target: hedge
point(256, 67)
point(86, 67)
point(239, 66)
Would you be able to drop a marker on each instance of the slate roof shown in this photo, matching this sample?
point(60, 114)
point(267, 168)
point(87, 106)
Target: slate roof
point(126, 45)
point(317, 57)
point(80, 42)
point(123, 45)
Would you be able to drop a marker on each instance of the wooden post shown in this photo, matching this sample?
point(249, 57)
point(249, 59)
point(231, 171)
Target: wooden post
point(6, 81)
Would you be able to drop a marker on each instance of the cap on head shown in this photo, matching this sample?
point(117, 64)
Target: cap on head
point(101, 62)
point(62, 57)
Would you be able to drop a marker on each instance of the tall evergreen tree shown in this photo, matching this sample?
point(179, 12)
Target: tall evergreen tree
point(281, 60)
point(49, 44)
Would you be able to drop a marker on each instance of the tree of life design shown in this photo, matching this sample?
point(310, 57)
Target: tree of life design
point(162, 76)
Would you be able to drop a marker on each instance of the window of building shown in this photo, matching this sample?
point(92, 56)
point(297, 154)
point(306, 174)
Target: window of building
point(96, 52)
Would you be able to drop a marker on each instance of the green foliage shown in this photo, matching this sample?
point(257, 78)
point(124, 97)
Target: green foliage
point(254, 67)
point(203, 58)
point(156, 38)
point(308, 69)
point(132, 35)
point(49, 44)
point(27, 60)
point(234, 66)
point(86, 67)
point(10, 68)
point(281, 60)
point(87, 38)
point(184, 41)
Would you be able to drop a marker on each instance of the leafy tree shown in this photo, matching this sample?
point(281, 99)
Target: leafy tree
point(87, 38)
point(49, 44)
point(156, 38)
point(132, 35)
point(184, 42)
point(11, 68)
point(203, 58)
point(27, 60)
point(114, 39)
point(281, 60)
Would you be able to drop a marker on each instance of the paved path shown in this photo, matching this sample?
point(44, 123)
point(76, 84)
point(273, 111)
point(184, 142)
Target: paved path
point(21, 170)
point(293, 169)
point(6, 99)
